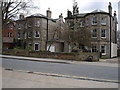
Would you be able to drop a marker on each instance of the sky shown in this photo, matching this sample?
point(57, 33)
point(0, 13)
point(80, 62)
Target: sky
point(61, 6)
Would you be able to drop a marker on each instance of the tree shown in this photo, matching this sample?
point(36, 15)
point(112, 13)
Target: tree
point(11, 9)
point(78, 38)
point(56, 32)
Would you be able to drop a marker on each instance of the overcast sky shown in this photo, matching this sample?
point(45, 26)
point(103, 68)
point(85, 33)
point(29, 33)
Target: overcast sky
point(61, 6)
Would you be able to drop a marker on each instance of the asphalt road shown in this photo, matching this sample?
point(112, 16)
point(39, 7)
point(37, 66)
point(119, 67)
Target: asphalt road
point(83, 70)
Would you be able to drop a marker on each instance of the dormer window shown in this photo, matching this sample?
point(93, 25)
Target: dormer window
point(94, 20)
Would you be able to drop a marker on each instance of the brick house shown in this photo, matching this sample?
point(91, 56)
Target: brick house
point(103, 27)
point(9, 35)
point(39, 32)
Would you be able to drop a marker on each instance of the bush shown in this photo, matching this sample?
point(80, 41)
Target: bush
point(29, 48)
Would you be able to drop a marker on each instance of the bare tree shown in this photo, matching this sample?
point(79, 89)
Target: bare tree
point(78, 38)
point(11, 9)
point(56, 33)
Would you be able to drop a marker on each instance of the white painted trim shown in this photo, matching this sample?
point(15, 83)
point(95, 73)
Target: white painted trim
point(38, 46)
point(105, 50)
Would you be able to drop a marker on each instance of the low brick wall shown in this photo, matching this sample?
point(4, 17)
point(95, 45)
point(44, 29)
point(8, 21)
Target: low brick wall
point(80, 56)
point(67, 56)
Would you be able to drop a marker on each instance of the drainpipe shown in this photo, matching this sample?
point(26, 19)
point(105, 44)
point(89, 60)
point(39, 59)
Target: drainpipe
point(1, 32)
point(110, 35)
point(46, 34)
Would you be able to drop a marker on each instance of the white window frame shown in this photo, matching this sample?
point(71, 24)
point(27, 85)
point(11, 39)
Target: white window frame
point(10, 27)
point(103, 20)
point(92, 31)
point(38, 46)
point(94, 20)
point(104, 49)
point(19, 26)
point(94, 48)
point(87, 21)
point(25, 35)
point(37, 33)
point(103, 33)
point(9, 34)
point(18, 35)
point(69, 48)
point(29, 36)
point(37, 23)
point(81, 23)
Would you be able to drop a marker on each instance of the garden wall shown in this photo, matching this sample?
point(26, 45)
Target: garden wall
point(79, 56)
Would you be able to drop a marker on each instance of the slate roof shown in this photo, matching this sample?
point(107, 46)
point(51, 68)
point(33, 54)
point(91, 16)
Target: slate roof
point(98, 10)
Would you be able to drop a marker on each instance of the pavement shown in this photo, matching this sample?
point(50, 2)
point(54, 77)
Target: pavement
point(112, 60)
point(21, 79)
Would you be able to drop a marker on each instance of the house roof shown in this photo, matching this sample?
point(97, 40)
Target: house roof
point(98, 10)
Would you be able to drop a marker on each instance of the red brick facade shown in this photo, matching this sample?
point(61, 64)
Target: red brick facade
point(9, 35)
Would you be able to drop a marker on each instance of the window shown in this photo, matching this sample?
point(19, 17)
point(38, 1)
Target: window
point(25, 35)
point(29, 34)
point(94, 20)
point(36, 46)
point(10, 27)
point(94, 48)
point(70, 48)
point(29, 44)
point(37, 23)
point(26, 26)
point(103, 49)
point(9, 34)
point(19, 26)
point(94, 33)
point(103, 20)
point(87, 21)
point(37, 34)
point(81, 23)
point(103, 33)
point(71, 24)
point(18, 35)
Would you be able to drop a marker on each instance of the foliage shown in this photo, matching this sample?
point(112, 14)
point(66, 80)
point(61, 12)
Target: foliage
point(29, 48)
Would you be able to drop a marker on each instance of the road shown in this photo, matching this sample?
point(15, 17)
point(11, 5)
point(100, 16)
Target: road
point(83, 70)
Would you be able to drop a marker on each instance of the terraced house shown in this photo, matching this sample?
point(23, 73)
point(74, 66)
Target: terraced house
point(40, 32)
point(103, 27)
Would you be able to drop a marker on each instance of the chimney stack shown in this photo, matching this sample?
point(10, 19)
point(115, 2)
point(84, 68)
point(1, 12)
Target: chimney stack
point(110, 8)
point(49, 13)
point(21, 17)
point(61, 17)
point(115, 13)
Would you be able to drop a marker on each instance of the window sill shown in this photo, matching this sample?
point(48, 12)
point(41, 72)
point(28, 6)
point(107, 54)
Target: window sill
point(103, 54)
point(103, 37)
point(104, 24)
point(37, 37)
point(94, 24)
